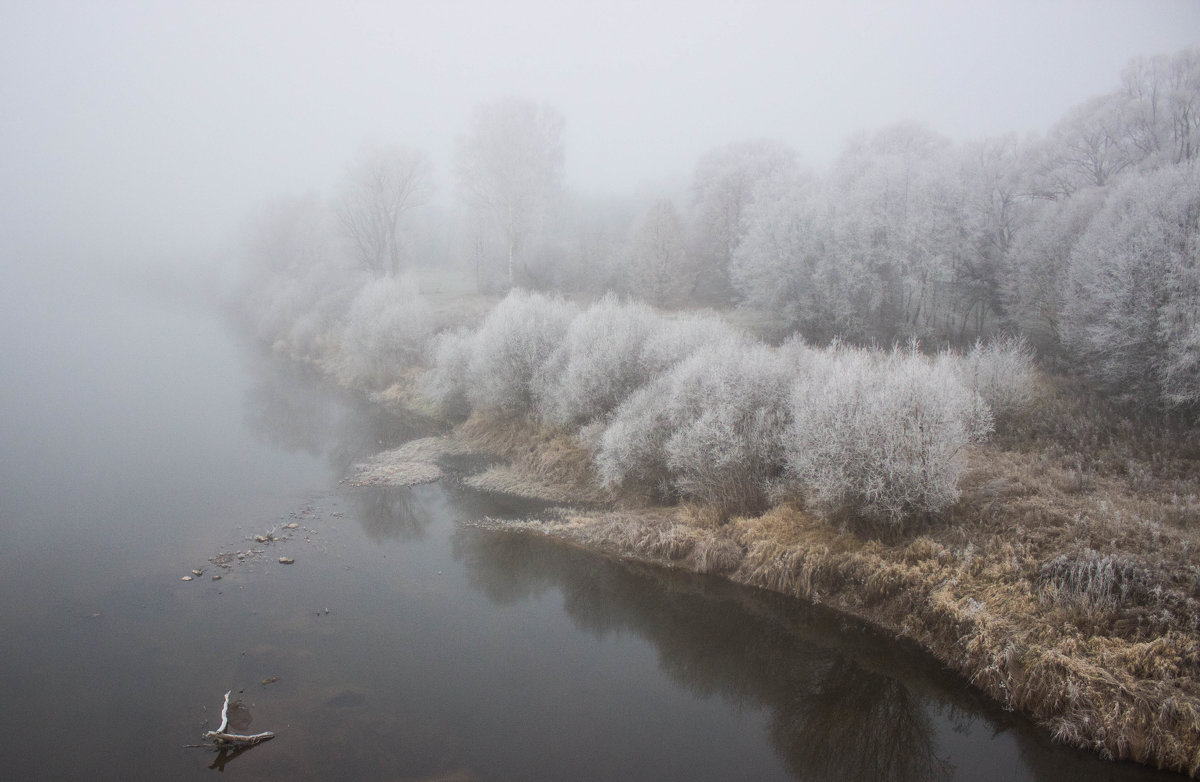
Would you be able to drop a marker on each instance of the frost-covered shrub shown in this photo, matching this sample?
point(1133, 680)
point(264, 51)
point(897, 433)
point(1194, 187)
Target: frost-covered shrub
point(881, 436)
point(1000, 371)
point(386, 329)
point(446, 381)
point(679, 337)
point(1003, 373)
point(598, 363)
point(729, 445)
point(512, 343)
point(707, 429)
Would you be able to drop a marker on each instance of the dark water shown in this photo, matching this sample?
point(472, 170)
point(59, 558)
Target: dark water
point(138, 440)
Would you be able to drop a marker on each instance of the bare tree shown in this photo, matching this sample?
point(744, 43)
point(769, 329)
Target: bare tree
point(510, 166)
point(380, 188)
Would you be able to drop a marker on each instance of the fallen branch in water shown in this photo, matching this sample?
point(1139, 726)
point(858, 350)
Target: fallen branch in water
point(222, 739)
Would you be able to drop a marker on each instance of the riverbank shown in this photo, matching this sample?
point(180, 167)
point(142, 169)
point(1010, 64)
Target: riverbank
point(1062, 586)
point(1049, 564)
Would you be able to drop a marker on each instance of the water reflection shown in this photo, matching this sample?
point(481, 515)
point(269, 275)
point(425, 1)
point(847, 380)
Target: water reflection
point(843, 702)
point(854, 724)
point(391, 513)
point(292, 407)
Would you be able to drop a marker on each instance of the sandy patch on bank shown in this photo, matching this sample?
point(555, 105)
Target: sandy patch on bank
point(413, 463)
point(506, 479)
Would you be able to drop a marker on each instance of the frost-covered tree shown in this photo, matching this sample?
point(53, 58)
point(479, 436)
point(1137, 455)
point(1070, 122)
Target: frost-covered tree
point(658, 265)
point(1088, 147)
point(895, 232)
point(510, 168)
point(1160, 101)
point(1133, 293)
point(782, 266)
point(295, 283)
point(1034, 278)
point(989, 209)
point(723, 186)
point(380, 188)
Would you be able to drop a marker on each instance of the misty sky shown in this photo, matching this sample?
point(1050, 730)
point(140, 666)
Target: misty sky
point(152, 129)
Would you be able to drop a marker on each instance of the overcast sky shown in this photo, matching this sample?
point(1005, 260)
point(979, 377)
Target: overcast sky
point(153, 128)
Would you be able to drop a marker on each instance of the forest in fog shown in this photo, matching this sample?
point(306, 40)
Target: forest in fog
point(773, 331)
point(1083, 240)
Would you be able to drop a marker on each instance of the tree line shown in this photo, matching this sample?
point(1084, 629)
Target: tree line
point(1084, 240)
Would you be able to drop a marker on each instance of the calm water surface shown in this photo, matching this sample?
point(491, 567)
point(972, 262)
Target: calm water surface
point(139, 439)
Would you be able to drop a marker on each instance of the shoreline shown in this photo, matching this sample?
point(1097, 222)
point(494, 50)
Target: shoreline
point(972, 589)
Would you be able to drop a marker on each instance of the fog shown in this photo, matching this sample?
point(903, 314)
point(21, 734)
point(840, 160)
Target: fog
point(146, 132)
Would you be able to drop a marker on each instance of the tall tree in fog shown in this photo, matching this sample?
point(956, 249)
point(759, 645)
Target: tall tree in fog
point(296, 284)
point(781, 266)
point(380, 188)
point(987, 204)
point(1089, 146)
point(1132, 316)
point(658, 268)
point(1034, 277)
point(895, 231)
point(510, 167)
point(1160, 99)
point(722, 188)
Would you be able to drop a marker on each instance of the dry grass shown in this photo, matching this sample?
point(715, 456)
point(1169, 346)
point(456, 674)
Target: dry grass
point(412, 463)
point(541, 462)
point(504, 479)
point(1078, 607)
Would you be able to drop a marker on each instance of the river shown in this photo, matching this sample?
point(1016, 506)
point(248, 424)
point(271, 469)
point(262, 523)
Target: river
point(141, 439)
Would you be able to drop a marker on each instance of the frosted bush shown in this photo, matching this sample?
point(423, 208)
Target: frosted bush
point(708, 429)
point(446, 381)
point(386, 329)
point(729, 444)
point(882, 436)
point(1001, 371)
point(679, 337)
point(598, 364)
point(512, 343)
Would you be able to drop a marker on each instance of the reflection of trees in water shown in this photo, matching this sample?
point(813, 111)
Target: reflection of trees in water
point(844, 703)
point(856, 724)
point(390, 512)
point(499, 565)
point(831, 718)
point(288, 410)
point(292, 407)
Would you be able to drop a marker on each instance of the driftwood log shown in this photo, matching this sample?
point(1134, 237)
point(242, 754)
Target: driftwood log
point(223, 739)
